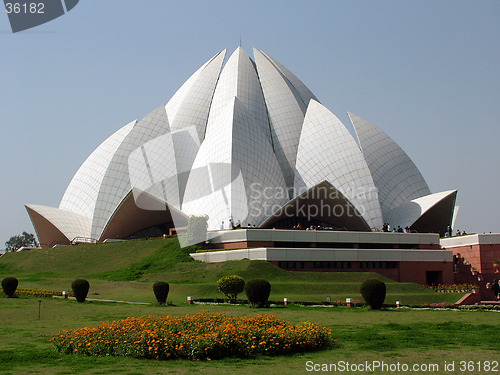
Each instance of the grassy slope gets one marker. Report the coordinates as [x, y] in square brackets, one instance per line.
[125, 270]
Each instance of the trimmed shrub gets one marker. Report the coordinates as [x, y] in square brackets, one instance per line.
[258, 291]
[161, 288]
[80, 289]
[231, 286]
[9, 286]
[373, 292]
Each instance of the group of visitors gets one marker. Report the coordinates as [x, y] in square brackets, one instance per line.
[449, 232]
[300, 226]
[232, 225]
[387, 228]
[318, 227]
[311, 227]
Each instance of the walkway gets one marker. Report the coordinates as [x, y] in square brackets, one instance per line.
[107, 300]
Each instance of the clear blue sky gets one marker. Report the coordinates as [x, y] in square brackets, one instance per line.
[425, 72]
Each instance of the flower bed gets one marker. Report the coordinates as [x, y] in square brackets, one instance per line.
[197, 336]
[38, 292]
[454, 288]
[439, 305]
[447, 305]
[480, 307]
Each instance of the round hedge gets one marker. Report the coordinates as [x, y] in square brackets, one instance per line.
[373, 292]
[9, 286]
[80, 289]
[160, 289]
[258, 291]
[231, 286]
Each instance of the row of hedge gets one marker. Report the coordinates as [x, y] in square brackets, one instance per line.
[373, 294]
[256, 290]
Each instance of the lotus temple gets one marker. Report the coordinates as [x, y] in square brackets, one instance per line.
[246, 144]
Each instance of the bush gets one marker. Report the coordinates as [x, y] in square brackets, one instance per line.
[80, 289]
[258, 291]
[9, 285]
[161, 288]
[231, 286]
[373, 292]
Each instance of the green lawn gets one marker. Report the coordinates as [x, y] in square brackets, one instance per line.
[126, 271]
[392, 336]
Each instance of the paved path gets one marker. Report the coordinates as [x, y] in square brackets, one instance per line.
[107, 300]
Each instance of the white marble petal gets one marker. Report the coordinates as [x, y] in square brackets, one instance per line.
[81, 194]
[338, 161]
[396, 177]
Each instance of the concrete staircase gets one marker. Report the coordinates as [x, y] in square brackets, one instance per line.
[464, 274]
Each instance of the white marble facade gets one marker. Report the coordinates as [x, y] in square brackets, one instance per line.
[239, 140]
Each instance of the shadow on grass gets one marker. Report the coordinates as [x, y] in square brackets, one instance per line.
[421, 336]
[10, 358]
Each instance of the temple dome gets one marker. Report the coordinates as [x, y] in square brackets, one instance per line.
[244, 141]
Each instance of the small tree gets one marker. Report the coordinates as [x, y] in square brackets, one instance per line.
[373, 292]
[160, 289]
[23, 240]
[197, 229]
[80, 289]
[258, 291]
[9, 286]
[231, 286]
